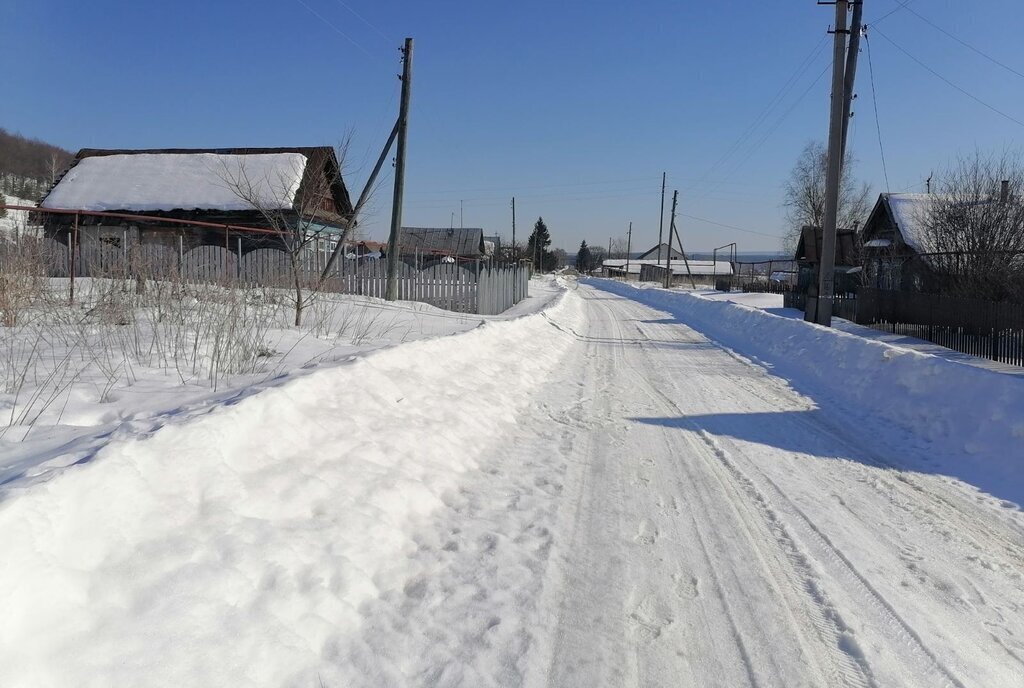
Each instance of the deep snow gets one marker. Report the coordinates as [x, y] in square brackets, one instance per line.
[597, 494]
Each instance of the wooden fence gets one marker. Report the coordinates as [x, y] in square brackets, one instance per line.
[979, 328]
[843, 305]
[470, 288]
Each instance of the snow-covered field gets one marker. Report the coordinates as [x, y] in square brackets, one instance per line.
[620, 487]
[14, 221]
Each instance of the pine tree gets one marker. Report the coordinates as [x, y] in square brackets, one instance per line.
[584, 259]
[536, 247]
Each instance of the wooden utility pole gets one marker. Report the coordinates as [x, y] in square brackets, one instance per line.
[668, 255]
[363, 198]
[682, 251]
[661, 217]
[396, 207]
[515, 251]
[827, 265]
[629, 248]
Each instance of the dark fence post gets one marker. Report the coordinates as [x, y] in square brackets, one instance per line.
[994, 310]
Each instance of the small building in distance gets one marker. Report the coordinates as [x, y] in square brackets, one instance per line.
[847, 259]
[659, 252]
[426, 246]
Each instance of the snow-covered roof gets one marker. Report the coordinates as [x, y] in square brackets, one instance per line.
[180, 181]
[909, 212]
[678, 267]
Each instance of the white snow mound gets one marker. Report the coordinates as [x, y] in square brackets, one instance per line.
[239, 548]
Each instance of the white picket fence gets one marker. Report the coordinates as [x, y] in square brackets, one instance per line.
[476, 288]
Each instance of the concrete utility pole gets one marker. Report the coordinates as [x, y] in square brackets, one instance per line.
[668, 255]
[661, 217]
[515, 251]
[629, 248]
[851, 66]
[827, 264]
[396, 207]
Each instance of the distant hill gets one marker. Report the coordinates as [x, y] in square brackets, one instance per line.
[28, 166]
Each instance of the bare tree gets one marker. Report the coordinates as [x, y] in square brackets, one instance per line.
[804, 193]
[619, 248]
[975, 223]
[299, 216]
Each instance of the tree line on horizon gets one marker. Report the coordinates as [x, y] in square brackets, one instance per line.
[28, 167]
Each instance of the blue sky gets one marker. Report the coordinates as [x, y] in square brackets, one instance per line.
[575, 107]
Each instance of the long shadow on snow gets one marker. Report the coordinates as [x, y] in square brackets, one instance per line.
[849, 425]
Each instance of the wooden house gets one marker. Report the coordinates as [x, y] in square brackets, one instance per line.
[893, 241]
[280, 189]
[847, 259]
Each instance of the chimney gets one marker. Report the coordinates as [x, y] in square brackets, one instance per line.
[1004, 191]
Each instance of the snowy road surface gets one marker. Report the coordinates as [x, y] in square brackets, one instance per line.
[597, 495]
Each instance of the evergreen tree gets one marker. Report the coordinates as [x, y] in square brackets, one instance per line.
[584, 259]
[537, 247]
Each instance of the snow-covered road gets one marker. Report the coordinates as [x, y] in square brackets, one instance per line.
[597, 495]
[719, 529]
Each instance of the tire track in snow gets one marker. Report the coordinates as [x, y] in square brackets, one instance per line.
[708, 508]
[826, 549]
[849, 667]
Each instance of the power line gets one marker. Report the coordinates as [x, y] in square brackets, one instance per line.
[720, 224]
[752, 127]
[336, 29]
[874, 100]
[360, 18]
[541, 186]
[950, 83]
[902, 6]
[772, 129]
[966, 44]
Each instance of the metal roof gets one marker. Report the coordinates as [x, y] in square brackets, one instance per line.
[457, 241]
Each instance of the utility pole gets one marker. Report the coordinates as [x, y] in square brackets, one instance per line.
[851, 66]
[363, 198]
[396, 207]
[460, 215]
[514, 249]
[629, 248]
[668, 255]
[682, 251]
[827, 264]
[661, 217]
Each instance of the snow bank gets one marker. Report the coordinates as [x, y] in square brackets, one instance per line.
[188, 181]
[973, 418]
[241, 547]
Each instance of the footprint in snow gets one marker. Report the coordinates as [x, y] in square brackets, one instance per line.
[647, 533]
